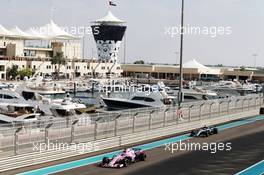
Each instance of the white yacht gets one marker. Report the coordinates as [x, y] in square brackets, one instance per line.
[139, 99]
[43, 88]
[232, 88]
[198, 94]
[46, 106]
[79, 87]
[18, 113]
[66, 107]
[9, 96]
[6, 86]
[194, 94]
[12, 98]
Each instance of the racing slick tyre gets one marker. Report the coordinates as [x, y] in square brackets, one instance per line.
[261, 111]
[192, 133]
[125, 162]
[206, 134]
[106, 160]
[128, 160]
[142, 157]
[215, 131]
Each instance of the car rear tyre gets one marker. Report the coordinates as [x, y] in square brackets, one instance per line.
[105, 160]
[128, 160]
[142, 157]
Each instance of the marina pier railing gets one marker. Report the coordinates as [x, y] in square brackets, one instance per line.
[92, 127]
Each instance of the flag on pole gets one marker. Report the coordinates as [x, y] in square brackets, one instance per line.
[111, 3]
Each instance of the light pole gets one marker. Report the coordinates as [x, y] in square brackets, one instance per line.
[52, 10]
[211, 104]
[16, 140]
[228, 106]
[83, 45]
[176, 53]
[125, 39]
[190, 112]
[255, 59]
[134, 121]
[47, 133]
[116, 123]
[72, 129]
[180, 96]
[92, 53]
[164, 119]
[219, 108]
[176, 63]
[150, 118]
[200, 111]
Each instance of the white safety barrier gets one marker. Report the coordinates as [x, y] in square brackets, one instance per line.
[18, 161]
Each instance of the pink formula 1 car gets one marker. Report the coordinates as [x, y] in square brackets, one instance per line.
[123, 159]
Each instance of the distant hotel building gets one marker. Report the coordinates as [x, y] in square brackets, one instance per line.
[35, 48]
[192, 70]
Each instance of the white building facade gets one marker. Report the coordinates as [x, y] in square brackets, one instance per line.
[34, 49]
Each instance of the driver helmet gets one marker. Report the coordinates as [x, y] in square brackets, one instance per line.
[126, 150]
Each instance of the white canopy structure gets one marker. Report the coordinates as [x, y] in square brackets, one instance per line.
[201, 68]
[36, 34]
[21, 34]
[109, 18]
[5, 33]
[50, 31]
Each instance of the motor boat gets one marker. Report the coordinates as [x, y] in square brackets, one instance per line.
[196, 93]
[193, 93]
[232, 88]
[79, 87]
[43, 88]
[66, 107]
[18, 113]
[9, 96]
[13, 98]
[51, 107]
[140, 99]
[6, 86]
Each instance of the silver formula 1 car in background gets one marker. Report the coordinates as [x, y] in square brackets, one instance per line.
[204, 131]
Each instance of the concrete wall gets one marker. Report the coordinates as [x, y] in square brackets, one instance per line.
[13, 47]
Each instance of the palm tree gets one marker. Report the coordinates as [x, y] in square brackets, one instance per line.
[12, 72]
[59, 60]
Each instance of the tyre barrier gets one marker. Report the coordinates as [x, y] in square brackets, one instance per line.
[261, 110]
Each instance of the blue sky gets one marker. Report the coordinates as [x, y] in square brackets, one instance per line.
[146, 21]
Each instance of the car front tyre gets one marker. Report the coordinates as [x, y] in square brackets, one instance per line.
[105, 160]
[125, 162]
[215, 131]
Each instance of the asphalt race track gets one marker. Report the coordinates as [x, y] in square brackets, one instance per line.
[242, 156]
[247, 149]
